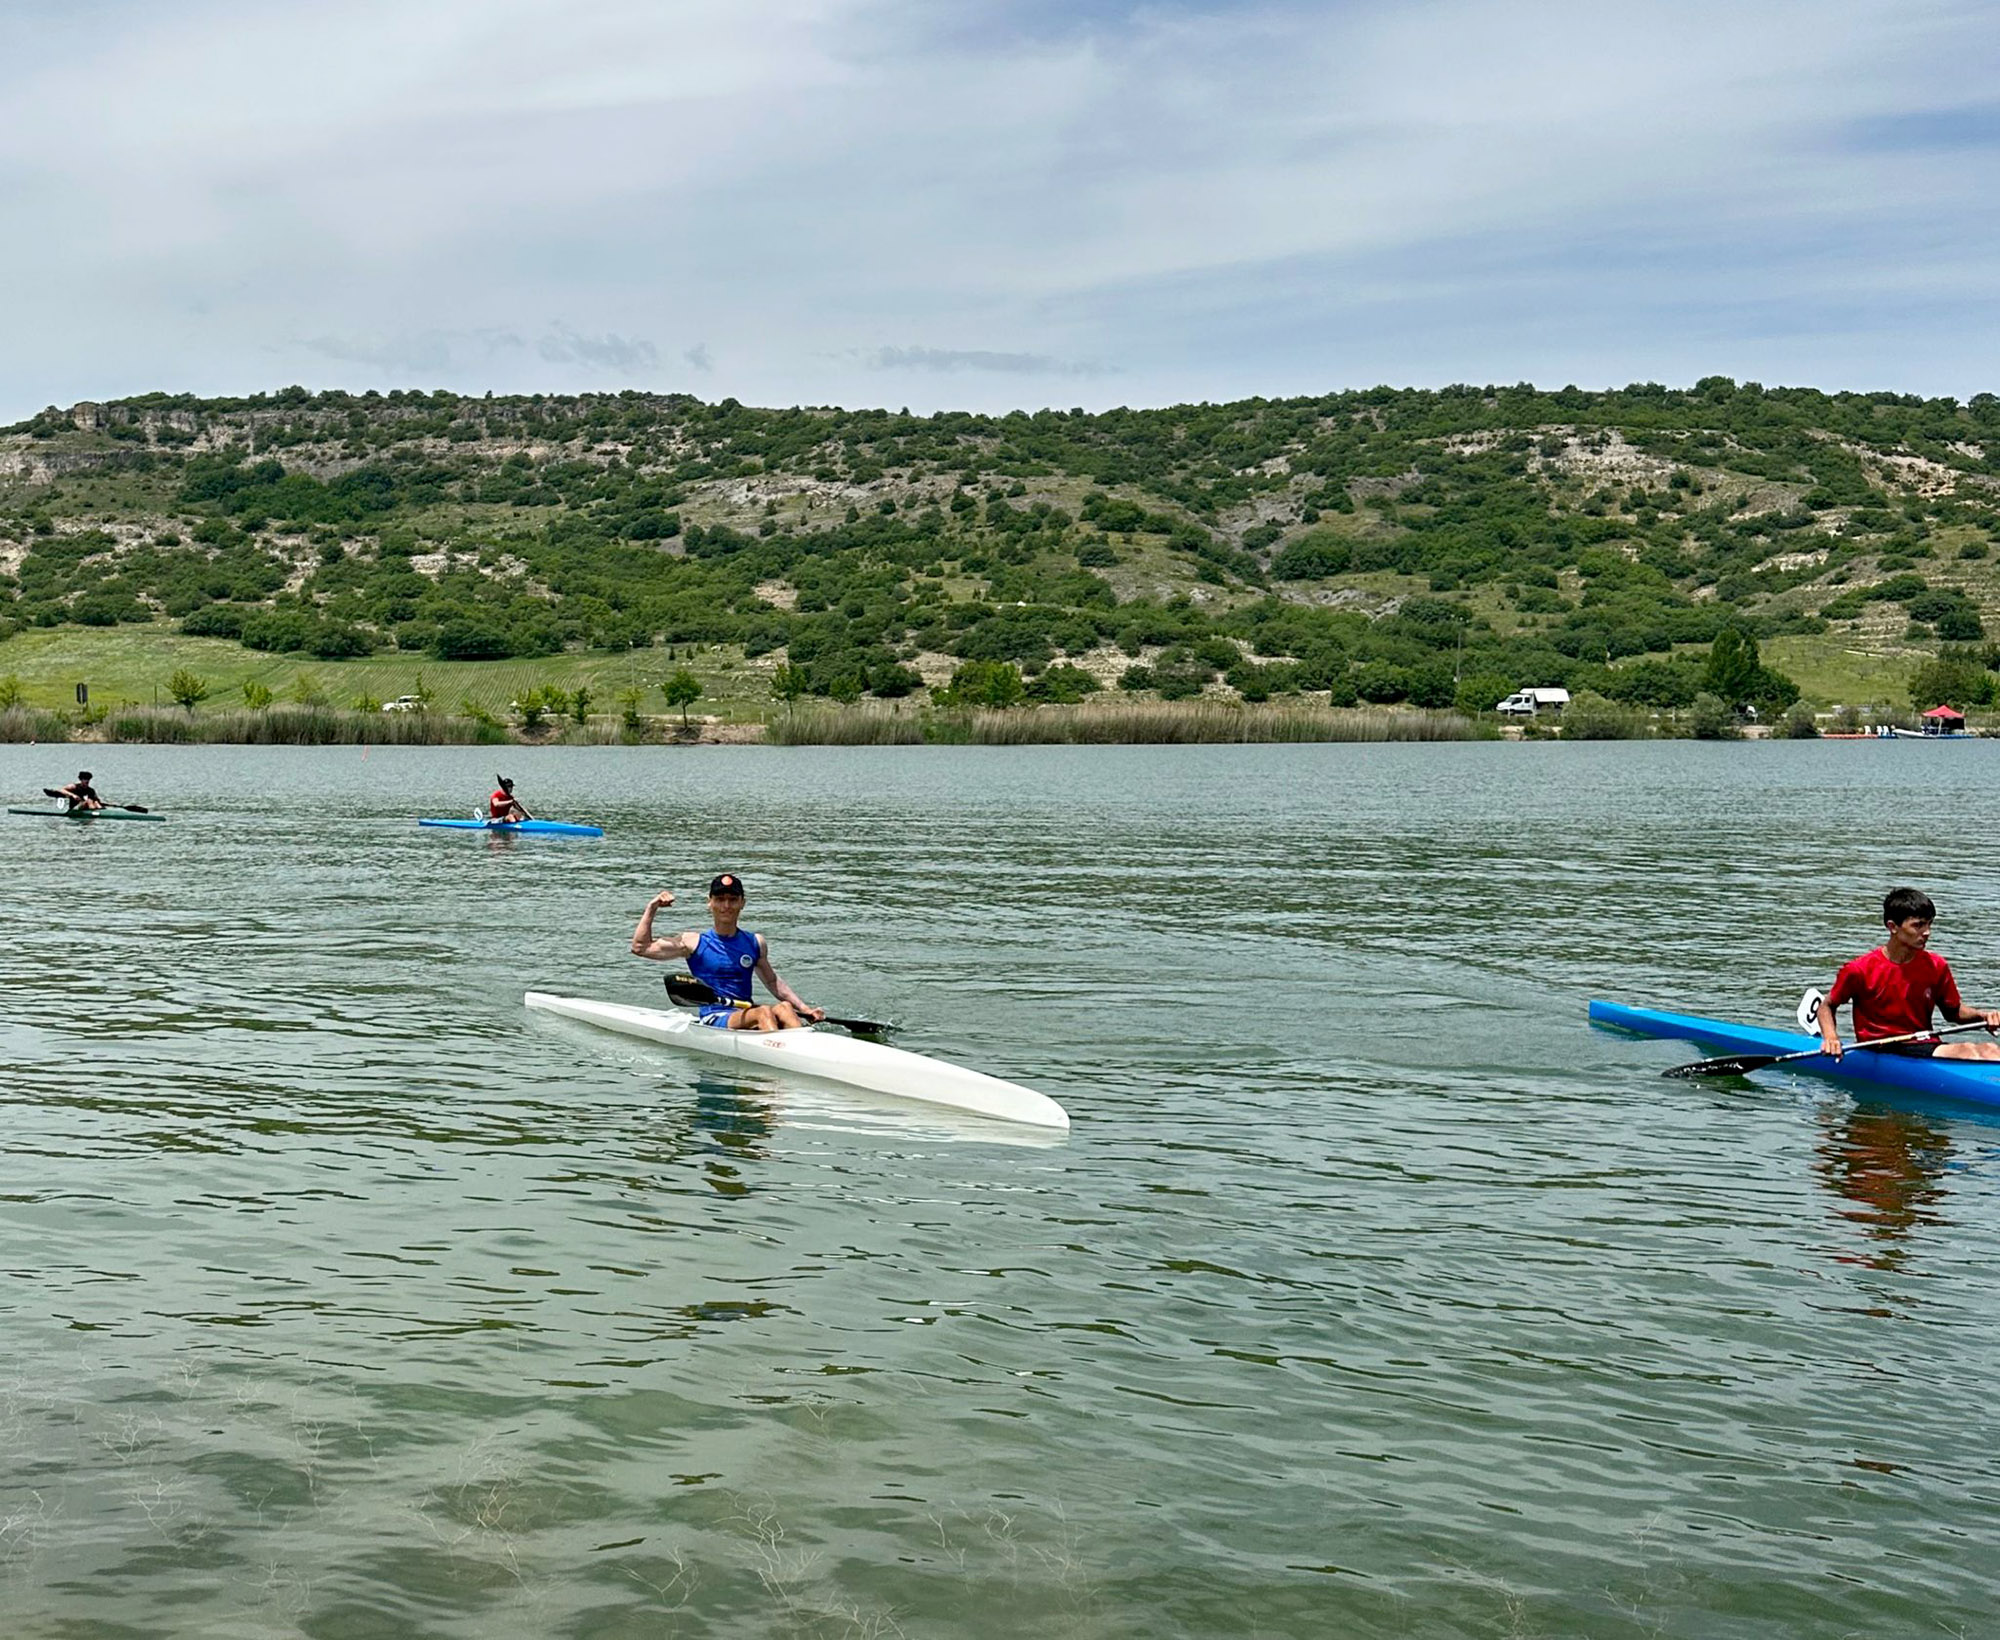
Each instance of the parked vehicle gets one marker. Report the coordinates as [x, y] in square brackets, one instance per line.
[404, 703]
[1529, 702]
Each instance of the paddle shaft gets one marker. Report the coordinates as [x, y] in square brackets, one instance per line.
[687, 989]
[129, 808]
[1736, 1063]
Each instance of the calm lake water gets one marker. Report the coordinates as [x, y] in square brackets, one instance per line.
[1373, 1292]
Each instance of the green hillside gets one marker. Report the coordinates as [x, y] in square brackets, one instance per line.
[1387, 545]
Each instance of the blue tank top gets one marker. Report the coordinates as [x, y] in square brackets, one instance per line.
[725, 965]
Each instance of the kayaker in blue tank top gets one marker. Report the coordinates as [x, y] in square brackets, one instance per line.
[724, 958]
[724, 963]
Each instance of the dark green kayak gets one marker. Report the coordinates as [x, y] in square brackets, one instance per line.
[87, 814]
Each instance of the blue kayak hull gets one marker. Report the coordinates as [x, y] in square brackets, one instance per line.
[541, 828]
[1944, 1078]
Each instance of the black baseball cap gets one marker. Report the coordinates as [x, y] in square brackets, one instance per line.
[727, 883]
[83, 774]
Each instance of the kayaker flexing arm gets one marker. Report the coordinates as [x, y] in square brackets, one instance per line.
[1895, 987]
[81, 794]
[723, 958]
[503, 806]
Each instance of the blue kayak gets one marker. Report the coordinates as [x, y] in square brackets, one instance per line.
[1946, 1078]
[541, 828]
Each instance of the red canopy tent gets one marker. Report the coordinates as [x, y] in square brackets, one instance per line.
[1941, 720]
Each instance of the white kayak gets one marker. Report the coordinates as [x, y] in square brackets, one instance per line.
[826, 1055]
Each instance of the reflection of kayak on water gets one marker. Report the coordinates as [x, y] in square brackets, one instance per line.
[1971, 1079]
[870, 1066]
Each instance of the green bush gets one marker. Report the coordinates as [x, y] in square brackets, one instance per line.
[1315, 555]
[1955, 678]
[984, 683]
[1063, 684]
[1591, 716]
[1712, 718]
[1483, 691]
[187, 688]
[1898, 589]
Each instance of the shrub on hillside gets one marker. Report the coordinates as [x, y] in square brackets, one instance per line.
[1800, 723]
[1711, 718]
[1591, 716]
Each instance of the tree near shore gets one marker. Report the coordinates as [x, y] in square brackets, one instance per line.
[683, 689]
[188, 689]
[1736, 675]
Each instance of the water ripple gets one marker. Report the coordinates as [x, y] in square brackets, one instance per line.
[1371, 1294]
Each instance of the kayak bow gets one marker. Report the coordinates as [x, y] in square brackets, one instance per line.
[1970, 1079]
[544, 828]
[870, 1066]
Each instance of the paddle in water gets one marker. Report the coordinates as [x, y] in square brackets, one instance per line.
[1737, 1064]
[691, 993]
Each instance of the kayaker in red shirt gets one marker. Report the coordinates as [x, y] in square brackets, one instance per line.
[1895, 988]
[502, 807]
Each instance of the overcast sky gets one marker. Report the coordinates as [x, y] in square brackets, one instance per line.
[994, 203]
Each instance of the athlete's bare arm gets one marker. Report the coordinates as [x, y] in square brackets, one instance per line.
[777, 987]
[665, 948]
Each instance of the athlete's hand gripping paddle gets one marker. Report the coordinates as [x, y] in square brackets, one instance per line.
[690, 992]
[1810, 1006]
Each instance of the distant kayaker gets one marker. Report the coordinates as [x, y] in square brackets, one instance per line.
[1895, 987]
[81, 794]
[723, 958]
[502, 805]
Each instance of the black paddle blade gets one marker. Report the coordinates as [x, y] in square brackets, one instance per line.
[1736, 1065]
[861, 1027]
[689, 991]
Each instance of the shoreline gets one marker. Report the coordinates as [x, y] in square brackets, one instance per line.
[1109, 722]
[1118, 722]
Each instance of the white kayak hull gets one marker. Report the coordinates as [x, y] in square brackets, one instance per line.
[825, 1055]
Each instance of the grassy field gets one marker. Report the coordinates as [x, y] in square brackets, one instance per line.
[1831, 671]
[130, 665]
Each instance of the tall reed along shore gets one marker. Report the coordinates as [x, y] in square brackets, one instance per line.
[1106, 723]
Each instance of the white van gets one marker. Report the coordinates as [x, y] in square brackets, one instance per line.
[1527, 702]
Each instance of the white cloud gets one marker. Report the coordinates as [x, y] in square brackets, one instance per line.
[953, 361]
[455, 350]
[1206, 201]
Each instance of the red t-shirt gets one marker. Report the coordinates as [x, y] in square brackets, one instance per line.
[1892, 998]
[500, 803]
